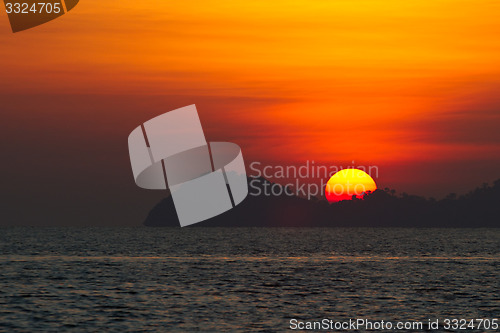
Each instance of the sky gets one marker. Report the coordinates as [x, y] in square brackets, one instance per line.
[408, 86]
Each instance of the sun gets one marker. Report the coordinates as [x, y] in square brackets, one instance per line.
[348, 182]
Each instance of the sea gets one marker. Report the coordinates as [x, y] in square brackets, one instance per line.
[141, 279]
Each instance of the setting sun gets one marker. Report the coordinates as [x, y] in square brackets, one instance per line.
[348, 182]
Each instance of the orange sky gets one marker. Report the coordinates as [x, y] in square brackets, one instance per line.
[411, 86]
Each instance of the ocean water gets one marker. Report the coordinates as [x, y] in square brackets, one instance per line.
[242, 279]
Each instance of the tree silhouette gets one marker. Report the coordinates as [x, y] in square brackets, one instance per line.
[477, 208]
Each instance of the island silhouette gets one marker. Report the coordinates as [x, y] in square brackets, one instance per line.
[380, 208]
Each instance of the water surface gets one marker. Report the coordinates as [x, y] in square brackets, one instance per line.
[242, 279]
